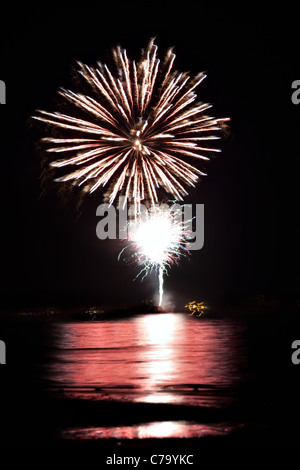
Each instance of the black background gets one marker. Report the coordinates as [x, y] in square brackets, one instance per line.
[51, 253]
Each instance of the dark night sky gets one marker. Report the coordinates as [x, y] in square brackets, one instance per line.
[50, 255]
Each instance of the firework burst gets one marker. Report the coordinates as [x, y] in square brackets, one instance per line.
[158, 239]
[141, 129]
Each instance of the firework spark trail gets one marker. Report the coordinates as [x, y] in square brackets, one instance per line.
[142, 123]
[158, 239]
[161, 284]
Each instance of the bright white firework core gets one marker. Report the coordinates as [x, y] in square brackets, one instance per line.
[156, 237]
[159, 238]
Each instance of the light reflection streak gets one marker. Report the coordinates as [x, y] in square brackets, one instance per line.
[161, 429]
[159, 333]
[152, 358]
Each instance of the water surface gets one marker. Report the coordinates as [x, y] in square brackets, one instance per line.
[168, 358]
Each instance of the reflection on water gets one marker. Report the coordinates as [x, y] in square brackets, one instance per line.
[163, 429]
[153, 358]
